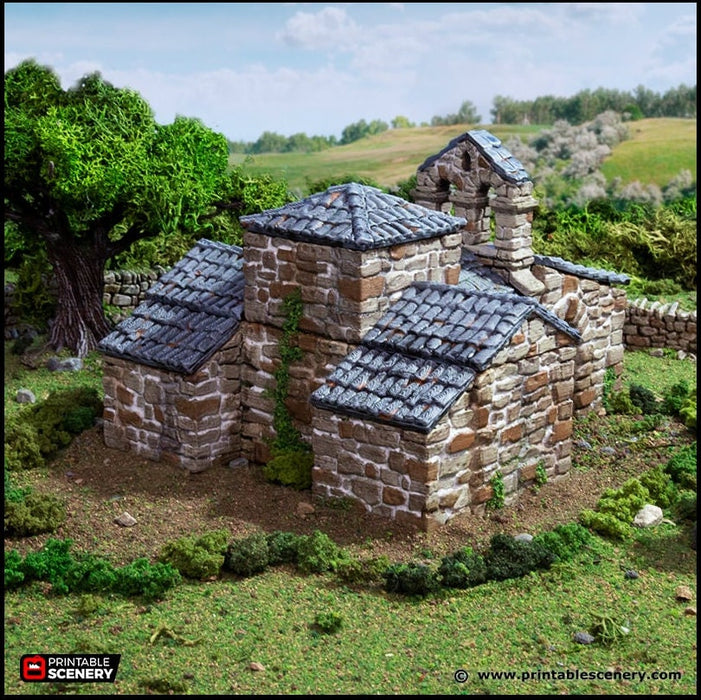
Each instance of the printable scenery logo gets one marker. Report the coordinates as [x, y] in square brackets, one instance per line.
[80, 668]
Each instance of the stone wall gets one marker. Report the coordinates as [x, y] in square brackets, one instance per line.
[654, 325]
[190, 421]
[598, 312]
[518, 414]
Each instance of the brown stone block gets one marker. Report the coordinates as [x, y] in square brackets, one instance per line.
[584, 398]
[361, 289]
[461, 442]
[569, 285]
[482, 417]
[512, 434]
[562, 430]
[345, 429]
[482, 495]
[535, 382]
[452, 275]
[197, 408]
[393, 496]
[527, 473]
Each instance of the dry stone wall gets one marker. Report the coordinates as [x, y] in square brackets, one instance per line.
[654, 325]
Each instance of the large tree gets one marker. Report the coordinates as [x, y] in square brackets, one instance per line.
[88, 172]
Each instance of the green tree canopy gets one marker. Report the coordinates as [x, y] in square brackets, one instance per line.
[89, 172]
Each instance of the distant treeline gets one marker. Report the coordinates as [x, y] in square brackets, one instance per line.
[642, 103]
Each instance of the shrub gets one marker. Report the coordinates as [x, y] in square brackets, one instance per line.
[674, 398]
[644, 399]
[34, 514]
[411, 579]
[623, 503]
[247, 556]
[688, 412]
[328, 622]
[685, 506]
[462, 569]
[52, 563]
[197, 557]
[620, 403]
[511, 558]
[282, 547]
[362, 572]
[660, 486]
[290, 467]
[91, 574]
[564, 541]
[681, 466]
[317, 553]
[606, 524]
[141, 578]
[14, 569]
[22, 447]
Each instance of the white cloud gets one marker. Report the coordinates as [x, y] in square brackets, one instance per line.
[329, 28]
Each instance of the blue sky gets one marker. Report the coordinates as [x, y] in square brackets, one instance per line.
[245, 68]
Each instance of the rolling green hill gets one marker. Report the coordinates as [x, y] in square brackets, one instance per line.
[657, 151]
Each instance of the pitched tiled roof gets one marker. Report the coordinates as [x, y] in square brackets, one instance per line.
[501, 159]
[435, 329]
[353, 216]
[187, 315]
[592, 273]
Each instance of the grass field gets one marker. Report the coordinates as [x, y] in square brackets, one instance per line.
[387, 158]
[657, 151]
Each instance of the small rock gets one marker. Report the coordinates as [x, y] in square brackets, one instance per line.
[690, 611]
[255, 666]
[648, 516]
[631, 573]
[523, 537]
[584, 638]
[304, 509]
[608, 451]
[125, 520]
[684, 593]
[71, 364]
[25, 396]
[584, 444]
[238, 463]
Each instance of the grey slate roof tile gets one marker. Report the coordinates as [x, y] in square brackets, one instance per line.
[500, 158]
[593, 273]
[353, 216]
[426, 350]
[187, 315]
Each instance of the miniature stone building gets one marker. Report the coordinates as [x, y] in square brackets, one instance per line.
[433, 357]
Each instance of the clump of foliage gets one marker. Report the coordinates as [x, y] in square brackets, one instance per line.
[508, 557]
[675, 397]
[248, 555]
[681, 466]
[39, 431]
[541, 476]
[462, 569]
[498, 493]
[283, 547]
[644, 399]
[564, 541]
[86, 573]
[290, 467]
[660, 486]
[328, 622]
[317, 553]
[609, 630]
[411, 578]
[292, 459]
[197, 557]
[34, 514]
[362, 572]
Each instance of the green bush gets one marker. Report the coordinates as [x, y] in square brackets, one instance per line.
[282, 547]
[606, 524]
[197, 557]
[508, 557]
[22, 447]
[141, 578]
[624, 502]
[462, 569]
[363, 572]
[620, 403]
[681, 466]
[674, 398]
[248, 555]
[328, 622]
[688, 412]
[411, 579]
[290, 467]
[564, 541]
[14, 569]
[51, 563]
[91, 574]
[34, 514]
[317, 553]
[644, 399]
[685, 506]
[659, 484]
[79, 419]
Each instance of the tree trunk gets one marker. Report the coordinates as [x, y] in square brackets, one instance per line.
[80, 321]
